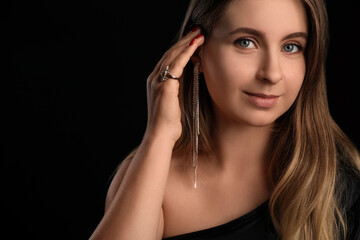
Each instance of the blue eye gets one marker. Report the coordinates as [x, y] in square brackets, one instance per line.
[292, 48]
[245, 43]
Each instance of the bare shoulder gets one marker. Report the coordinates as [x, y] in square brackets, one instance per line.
[115, 183]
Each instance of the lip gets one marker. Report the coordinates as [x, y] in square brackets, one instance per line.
[262, 100]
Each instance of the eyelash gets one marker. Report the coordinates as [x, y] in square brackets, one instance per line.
[300, 48]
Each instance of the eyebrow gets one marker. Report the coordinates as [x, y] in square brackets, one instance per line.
[261, 34]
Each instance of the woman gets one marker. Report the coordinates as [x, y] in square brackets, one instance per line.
[239, 142]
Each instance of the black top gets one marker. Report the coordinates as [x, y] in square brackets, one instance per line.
[257, 225]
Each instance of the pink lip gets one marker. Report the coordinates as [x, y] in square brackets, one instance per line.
[262, 100]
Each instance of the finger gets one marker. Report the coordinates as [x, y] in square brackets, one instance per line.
[177, 48]
[178, 62]
[188, 37]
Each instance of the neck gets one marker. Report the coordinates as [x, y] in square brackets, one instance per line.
[240, 146]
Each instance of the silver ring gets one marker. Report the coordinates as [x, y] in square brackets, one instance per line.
[165, 75]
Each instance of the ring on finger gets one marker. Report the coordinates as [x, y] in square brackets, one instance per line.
[165, 75]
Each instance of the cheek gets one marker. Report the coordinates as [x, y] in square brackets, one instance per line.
[225, 70]
[294, 73]
[215, 68]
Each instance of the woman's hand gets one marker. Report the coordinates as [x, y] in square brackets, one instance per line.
[164, 115]
[137, 191]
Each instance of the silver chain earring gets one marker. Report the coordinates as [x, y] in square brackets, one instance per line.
[196, 129]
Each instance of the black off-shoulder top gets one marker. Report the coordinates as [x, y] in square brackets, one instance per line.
[257, 224]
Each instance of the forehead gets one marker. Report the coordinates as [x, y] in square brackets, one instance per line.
[269, 16]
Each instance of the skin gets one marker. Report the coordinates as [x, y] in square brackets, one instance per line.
[154, 193]
[262, 67]
[230, 69]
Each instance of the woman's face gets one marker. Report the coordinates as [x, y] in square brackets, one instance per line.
[253, 62]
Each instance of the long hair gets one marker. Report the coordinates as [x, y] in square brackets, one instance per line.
[307, 145]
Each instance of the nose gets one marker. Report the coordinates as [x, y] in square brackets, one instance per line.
[270, 68]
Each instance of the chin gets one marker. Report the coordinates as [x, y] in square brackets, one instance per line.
[262, 119]
[260, 123]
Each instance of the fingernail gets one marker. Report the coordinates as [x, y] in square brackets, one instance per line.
[194, 39]
[195, 29]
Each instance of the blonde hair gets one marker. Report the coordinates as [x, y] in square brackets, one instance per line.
[307, 145]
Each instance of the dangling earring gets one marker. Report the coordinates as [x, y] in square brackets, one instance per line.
[196, 129]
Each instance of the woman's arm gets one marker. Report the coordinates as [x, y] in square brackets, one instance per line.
[134, 204]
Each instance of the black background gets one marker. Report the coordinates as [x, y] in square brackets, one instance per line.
[74, 101]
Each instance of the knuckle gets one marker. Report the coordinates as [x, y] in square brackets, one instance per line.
[166, 54]
[175, 64]
[152, 85]
[173, 47]
[150, 81]
[187, 37]
[172, 55]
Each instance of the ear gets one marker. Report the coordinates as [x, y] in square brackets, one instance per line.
[197, 57]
